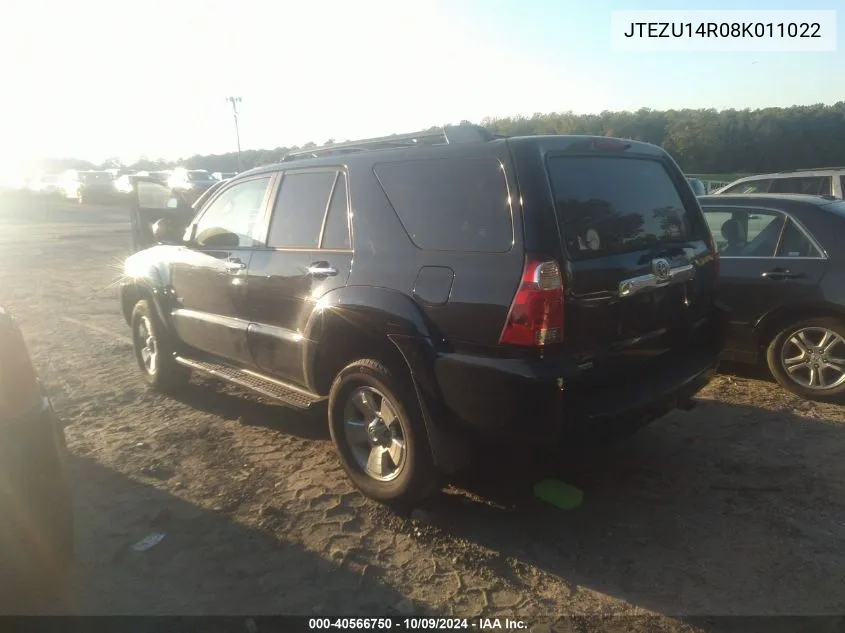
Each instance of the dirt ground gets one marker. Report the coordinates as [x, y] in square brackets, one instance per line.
[733, 508]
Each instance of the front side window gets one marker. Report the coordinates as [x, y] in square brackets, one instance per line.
[228, 222]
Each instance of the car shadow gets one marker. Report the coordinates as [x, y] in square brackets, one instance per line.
[723, 510]
[229, 401]
[755, 371]
[206, 564]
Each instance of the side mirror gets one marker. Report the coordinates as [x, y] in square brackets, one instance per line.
[168, 231]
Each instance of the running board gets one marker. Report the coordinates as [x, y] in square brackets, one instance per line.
[290, 395]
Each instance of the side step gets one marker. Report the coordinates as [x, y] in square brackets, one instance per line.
[290, 395]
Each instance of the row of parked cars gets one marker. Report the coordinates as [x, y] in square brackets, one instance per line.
[104, 186]
[526, 290]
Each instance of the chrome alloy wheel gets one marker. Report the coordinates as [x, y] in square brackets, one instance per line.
[375, 433]
[814, 357]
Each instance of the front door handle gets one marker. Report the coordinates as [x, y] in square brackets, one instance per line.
[321, 269]
[780, 273]
[234, 264]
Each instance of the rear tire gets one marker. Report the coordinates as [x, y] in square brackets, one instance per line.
[808, 358]
[154, 350]
[377, 428]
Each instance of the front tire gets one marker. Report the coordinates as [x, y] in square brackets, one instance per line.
[808, 358]
[154, 350]
[377, 428]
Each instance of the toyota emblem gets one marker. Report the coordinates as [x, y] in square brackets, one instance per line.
[661, 269]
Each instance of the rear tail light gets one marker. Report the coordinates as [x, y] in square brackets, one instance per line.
[19, 390]
[536, 315]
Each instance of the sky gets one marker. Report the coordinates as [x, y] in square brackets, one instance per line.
[93, 79]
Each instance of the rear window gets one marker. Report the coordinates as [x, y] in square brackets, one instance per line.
[608, 205]
[451, 204]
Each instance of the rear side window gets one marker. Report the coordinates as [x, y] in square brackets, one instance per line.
[794, 243]
[451, 204]
[609, 205]
[336, 231]
[811, 185]
[300, 209]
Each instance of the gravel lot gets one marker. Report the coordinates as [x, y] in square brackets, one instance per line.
[736, 507]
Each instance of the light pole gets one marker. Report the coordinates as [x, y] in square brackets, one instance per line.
[235, 101]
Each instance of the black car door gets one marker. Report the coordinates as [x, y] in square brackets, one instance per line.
[767, 260]
[209, 275]
[308, 253]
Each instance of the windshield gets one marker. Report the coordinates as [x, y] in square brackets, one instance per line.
[609, 204]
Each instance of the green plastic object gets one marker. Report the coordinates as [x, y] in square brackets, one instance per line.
[559, 494]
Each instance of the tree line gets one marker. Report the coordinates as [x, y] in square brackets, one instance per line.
[704, 141]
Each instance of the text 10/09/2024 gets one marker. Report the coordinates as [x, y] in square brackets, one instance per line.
[417, 624]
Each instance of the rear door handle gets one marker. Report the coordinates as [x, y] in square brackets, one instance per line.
[779, 273]
[321, 269]
[234, 264]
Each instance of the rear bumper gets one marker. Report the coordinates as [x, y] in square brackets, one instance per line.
[539, 401]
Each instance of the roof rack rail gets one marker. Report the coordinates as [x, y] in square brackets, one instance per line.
[792, 171]
[447, 134]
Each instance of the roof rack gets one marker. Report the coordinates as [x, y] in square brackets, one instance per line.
[448, 134]
[792, 171]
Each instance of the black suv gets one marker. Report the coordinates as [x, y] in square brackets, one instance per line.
[437, 288]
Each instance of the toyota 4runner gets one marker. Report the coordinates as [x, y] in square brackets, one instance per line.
[437, 288]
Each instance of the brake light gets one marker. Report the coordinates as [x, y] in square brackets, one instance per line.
[536, 314]
[609, 145]
[19, 390]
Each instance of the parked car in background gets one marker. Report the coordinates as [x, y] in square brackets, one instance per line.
[161, 175]
[123, 185]
[698, 187]
[207, 194]
[45, 185]
[782, 277]
[465, 315]
[189, 184]
[87, 186]
[816, 182]
[36, 512]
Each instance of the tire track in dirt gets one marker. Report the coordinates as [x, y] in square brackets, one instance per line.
[292, 486]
